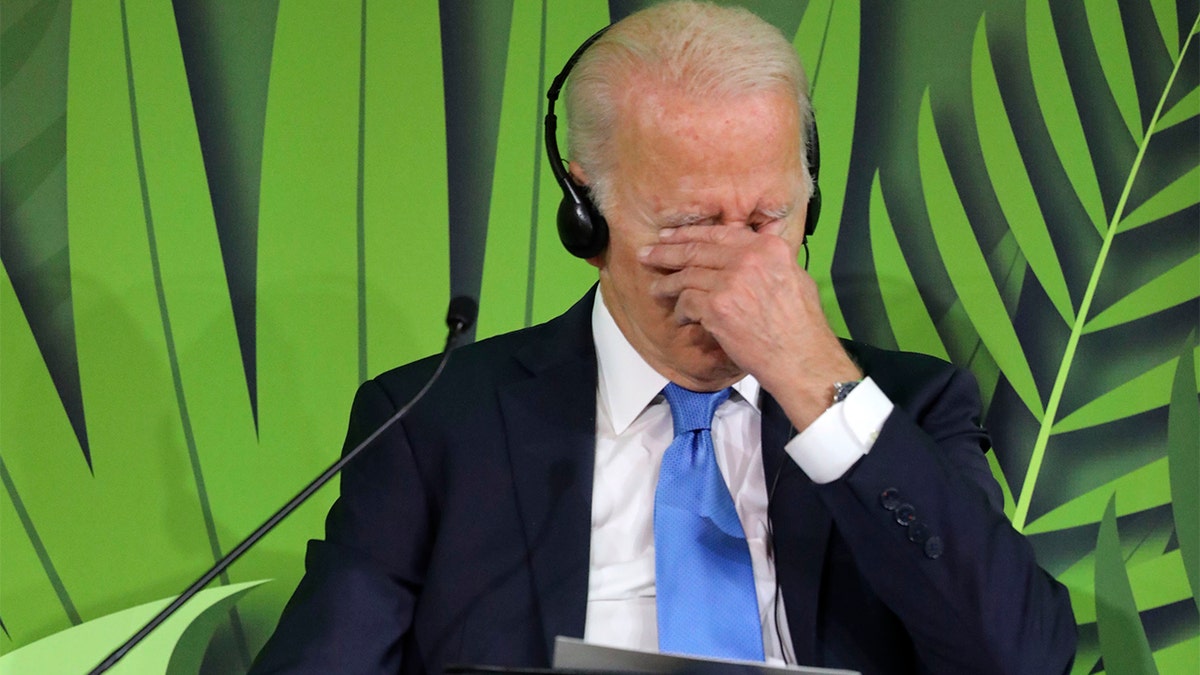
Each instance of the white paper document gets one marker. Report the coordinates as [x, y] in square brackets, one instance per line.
[575, 654]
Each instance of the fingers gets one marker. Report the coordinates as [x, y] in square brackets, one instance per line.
[696, 246]
[677, 256]
[688, 278]
[714, 247]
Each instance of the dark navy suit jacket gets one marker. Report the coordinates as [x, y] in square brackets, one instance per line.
[463, 534]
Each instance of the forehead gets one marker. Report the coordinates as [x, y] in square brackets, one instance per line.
[689, 156]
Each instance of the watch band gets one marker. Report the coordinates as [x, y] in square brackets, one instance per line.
[842, 389]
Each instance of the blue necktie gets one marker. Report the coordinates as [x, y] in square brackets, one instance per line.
[707, 604]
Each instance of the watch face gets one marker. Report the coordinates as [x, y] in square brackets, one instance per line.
[842, 389]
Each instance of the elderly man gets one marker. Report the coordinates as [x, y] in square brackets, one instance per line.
[688, 459]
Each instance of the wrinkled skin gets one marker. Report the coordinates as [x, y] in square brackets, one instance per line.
[706, 222]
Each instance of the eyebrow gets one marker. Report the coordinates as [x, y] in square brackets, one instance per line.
[778, 213]
[685, 219]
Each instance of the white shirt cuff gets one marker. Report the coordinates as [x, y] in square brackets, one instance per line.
[842, 434]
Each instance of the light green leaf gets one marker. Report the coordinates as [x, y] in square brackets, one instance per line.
[1183, 452]
[1156, 580]
[1173, 287]
[310, 278]
[207, 373]
[906, 313]
[527, 276]
[966, 265]
[514, 214]
[1108, 35]
[1122, 638]
[140, 452]
[405, 279]
[980, 362]
[1140, 489]
[559, 277]
[1010, 179]
[1177, 196]
[1166, 14]
[1059, 110]
[998, 473]
[175, 647]
[1184, 109]
[309, 184]
[1179, 657]
[828, 42]
[35, 601]
[1147, 391]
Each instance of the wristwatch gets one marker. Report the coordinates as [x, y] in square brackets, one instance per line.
[842, 389]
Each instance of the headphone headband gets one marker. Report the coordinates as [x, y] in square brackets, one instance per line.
[581, 227]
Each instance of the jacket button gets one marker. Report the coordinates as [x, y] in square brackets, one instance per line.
[889, 499]
[918, 532]
[934, 547]
[905, 514]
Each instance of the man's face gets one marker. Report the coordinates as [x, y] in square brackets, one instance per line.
[696, 164]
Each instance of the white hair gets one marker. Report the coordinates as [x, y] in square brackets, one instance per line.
[698, 49]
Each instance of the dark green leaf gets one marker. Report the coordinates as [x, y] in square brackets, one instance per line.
[1122, 639]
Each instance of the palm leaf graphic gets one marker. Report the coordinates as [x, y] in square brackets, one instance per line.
[522, 241]
[1055, 333]
[146, 399]
[175, 439]
[176, 649]
[828, 40]
[1122, 640]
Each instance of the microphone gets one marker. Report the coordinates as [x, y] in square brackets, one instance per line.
[459, 318]
[461, 314]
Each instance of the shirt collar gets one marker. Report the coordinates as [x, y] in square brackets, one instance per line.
[627, 384]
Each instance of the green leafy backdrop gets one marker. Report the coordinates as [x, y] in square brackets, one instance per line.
[220, 216]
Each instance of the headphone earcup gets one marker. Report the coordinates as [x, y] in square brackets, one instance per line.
[814, 211]
[581, 228]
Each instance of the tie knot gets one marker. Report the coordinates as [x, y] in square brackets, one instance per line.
[693, 410]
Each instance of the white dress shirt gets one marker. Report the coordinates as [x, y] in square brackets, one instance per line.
[633, 430]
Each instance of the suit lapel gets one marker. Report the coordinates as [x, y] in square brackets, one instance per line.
[800, 526]
[550, 424]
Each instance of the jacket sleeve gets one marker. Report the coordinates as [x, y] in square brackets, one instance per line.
[923, 518]
[355, 604]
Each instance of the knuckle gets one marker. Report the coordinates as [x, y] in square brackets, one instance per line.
[723, 304]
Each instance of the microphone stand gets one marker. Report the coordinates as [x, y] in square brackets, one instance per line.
[459, 318]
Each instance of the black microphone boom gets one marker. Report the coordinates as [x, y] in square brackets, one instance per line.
[459, 318]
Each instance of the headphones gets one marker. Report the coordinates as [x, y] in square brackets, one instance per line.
[581, 228]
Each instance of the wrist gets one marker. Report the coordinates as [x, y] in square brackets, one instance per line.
[805, 396]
